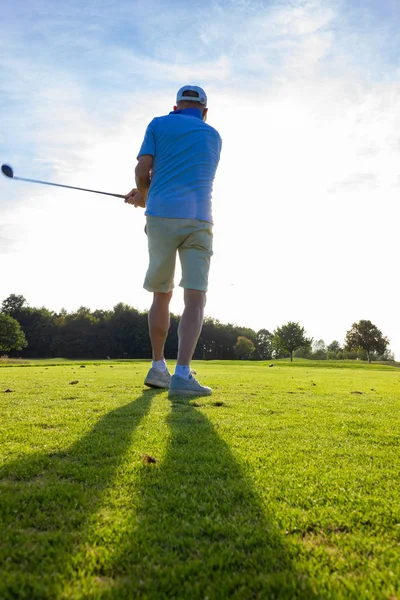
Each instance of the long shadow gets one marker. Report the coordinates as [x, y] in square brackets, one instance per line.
[200, 531]
[47, 500]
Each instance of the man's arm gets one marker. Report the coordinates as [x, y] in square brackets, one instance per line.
[138, 196]
[142, 174]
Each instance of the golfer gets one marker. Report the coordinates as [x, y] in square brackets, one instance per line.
[174, 175]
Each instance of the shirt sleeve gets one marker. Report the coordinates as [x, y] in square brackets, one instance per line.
[149, 143]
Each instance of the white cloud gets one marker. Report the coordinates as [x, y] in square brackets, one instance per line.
[297, 19]
[6, 243]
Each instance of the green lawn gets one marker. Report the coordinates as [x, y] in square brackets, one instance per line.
[283, 484]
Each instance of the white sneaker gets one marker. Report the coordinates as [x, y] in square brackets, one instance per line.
[158, 379]
[187, 387]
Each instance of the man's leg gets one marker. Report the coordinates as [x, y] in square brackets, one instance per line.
[159, 376]
[182, 382]
[190, 325]
[195, 253]
[159, 323]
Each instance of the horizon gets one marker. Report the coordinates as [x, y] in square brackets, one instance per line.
[314, 341]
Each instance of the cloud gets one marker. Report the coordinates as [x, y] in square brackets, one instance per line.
[297, 19]
[6, 243]
[357, 181]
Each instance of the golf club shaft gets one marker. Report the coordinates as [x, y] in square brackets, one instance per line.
[68, 186]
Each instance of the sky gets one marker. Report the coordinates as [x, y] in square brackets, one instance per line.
[306, 97]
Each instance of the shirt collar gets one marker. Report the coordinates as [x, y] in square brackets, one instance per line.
[189, 112]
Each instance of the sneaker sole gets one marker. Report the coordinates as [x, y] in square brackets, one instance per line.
[187, 393]
[151, 383]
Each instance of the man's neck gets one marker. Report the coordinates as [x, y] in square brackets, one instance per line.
[190, 112]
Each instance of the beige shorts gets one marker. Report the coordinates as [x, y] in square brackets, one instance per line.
[190, 238]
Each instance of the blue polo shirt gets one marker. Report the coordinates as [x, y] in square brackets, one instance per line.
[186, 153]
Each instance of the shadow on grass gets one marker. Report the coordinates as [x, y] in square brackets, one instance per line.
[47, 500]
[200, 531]
[193, 526]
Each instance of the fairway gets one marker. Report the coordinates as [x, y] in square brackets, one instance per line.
[283, 484]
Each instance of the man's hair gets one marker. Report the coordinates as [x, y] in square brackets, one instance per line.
[187, 96]
[190, 94]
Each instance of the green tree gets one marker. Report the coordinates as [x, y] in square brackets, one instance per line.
[319, 350]
[334, 346]
[38, 325]
[334, 351]
[13, 305]
[11, 335]
[388, 356]
[244, 347]
[288, 338]
[263, 345]
[302, 352]
[217, 341]
[368, 337]
[78, 335]
[129, 333]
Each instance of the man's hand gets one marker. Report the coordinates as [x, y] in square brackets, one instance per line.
[134, 197]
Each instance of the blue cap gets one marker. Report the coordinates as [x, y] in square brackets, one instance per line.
[201, 95]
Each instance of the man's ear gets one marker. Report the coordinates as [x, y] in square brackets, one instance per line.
[205, 111]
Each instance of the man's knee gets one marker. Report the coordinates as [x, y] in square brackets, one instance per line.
[195, 298]
[162, 297]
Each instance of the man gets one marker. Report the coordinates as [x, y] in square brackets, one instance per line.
[176, 167]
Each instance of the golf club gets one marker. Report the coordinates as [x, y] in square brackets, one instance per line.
[9, 173]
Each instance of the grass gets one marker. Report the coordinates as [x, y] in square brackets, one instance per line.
[283, 484]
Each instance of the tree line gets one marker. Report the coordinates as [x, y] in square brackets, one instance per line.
[118, 333]
[122, 332]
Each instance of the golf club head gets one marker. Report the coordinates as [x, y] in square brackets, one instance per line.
[7, 171]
